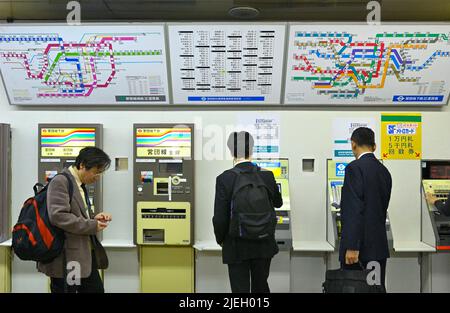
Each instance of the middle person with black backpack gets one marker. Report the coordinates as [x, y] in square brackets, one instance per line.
[244, 218]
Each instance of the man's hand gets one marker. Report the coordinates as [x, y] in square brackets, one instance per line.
[431, 198]
[101, 225]
[103, 217]
[351, 257]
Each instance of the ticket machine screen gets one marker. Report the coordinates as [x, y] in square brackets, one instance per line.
[65, 142]
[439, 172]
[163, 142]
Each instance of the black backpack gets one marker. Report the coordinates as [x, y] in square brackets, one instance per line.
[34, 237]
[252, 212]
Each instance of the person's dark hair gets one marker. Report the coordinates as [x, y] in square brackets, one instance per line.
[240, 144]
[93, 157]
[363, 136]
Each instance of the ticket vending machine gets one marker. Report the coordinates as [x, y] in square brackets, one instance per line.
[280, 268]
[5, 207]
[335, 183]
[435, 226]
[59, 146]
[164, 206]
[280, 169]
[436, 180]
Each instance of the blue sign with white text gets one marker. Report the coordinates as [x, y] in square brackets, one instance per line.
[237, 99]
[417, 98]
[340, 169]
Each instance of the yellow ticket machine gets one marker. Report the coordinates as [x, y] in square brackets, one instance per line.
[164, 206]
[280, 169]
[5, 207]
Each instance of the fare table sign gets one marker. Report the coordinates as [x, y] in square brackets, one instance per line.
[401, 136]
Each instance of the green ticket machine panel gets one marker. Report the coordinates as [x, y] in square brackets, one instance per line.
[163, 184]
[280, 169]
[59, 146]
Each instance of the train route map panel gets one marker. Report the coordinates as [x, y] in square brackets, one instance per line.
[368, 65]
[84, 65]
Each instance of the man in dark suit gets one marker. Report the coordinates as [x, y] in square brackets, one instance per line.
[79, 225]
[248, 260]
[441, 205]
[365, 200]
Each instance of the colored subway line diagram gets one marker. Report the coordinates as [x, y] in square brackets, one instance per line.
[173, 137]
[338, 66]
[72, 69]
[76, 137]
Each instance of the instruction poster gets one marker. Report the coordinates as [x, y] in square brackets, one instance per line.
[226, 64]
[342, 132]
[265, 129]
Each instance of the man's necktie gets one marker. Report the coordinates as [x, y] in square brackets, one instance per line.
[90, 214]
[88, 201]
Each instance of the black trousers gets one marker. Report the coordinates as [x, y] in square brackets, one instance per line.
[250, 276]
[364, 264]
[91, 284]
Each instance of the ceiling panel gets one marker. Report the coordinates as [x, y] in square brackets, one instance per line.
[207, 10]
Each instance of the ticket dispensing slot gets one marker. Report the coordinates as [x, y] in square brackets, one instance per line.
[154, 236]
[161, 187]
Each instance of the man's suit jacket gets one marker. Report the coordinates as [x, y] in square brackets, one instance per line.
[443, 206]
[235, 250]
[79, 229]
[365, 200]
